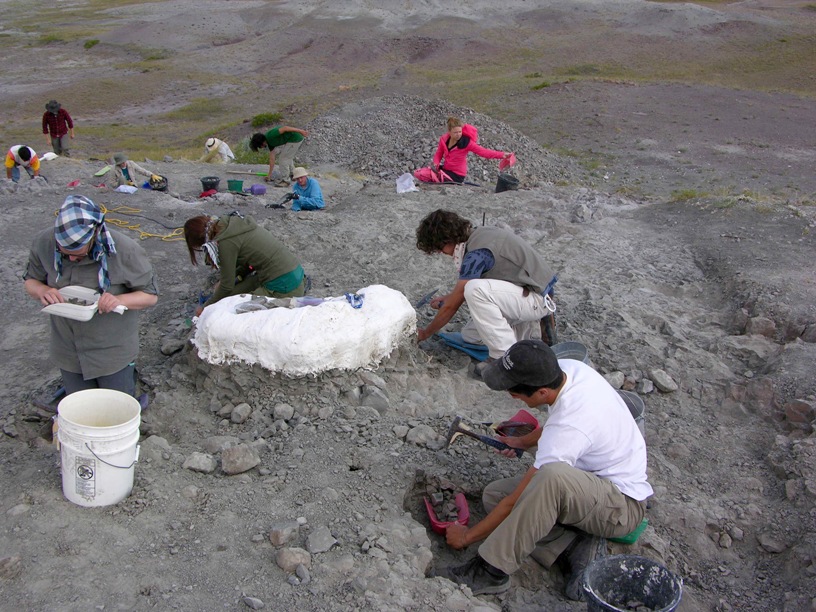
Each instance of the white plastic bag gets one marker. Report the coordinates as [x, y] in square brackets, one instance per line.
[405, 183]
[126, 189]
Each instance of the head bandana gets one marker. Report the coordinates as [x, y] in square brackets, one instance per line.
[78, 221]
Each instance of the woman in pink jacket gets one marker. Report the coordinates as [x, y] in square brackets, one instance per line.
[454, 146]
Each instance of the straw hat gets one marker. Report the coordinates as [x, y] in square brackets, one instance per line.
[119, 158]
[298, 172]
[210, 144]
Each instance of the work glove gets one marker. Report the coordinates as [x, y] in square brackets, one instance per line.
[289, 196]
[294, 196]
[155, 178]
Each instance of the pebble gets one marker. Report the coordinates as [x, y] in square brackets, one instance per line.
[303, 573]
[254, 603]
[644, 386]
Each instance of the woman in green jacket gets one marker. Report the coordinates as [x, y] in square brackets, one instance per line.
[249, 258]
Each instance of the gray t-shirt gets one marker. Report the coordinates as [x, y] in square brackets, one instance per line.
[108, 342]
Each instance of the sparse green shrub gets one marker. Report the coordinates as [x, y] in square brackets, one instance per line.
[533, 75]
[265, 119]
[46, 39]
[684, 195]
[245, 155]
[91, 43]
[541, 85]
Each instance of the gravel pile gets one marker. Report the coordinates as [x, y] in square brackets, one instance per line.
[388, 136]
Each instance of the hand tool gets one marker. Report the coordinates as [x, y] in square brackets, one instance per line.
[457, 428]
[425, 299]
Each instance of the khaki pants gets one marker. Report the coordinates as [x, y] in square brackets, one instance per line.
[558, 503]
[285, 160]
[502, 314]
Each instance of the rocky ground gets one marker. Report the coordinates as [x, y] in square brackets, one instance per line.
[319, 506]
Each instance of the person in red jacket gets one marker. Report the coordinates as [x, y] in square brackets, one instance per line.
[454, 146]
[57, 125]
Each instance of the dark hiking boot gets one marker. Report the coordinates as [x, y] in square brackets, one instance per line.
[549, 333]
[583, 551]
[477, 574]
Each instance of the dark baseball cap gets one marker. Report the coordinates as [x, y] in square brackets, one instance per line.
[529, 362]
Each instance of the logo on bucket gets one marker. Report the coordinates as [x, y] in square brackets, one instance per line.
[85, 481]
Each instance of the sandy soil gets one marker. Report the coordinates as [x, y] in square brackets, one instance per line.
[684, 241]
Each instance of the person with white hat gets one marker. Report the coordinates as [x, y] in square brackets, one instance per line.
[216, 151]
[125, 171]
[306, 193]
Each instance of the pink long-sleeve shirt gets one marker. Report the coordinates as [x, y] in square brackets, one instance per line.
[456, 158]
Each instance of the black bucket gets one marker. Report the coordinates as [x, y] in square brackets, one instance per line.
[623, 582]
[209, 182]
[636, 406]
[506, 182]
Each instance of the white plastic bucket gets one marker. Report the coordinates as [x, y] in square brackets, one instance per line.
[98, 431]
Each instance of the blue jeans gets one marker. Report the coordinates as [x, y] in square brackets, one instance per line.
[15, 173]
[124, 380]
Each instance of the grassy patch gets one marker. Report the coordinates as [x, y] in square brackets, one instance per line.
[265, 119]
[245, 155]
[541, 85]
[91, 43]
[198, 109]
[47, 39]
[684, 195]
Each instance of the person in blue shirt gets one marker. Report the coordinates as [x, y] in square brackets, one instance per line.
[306, 193]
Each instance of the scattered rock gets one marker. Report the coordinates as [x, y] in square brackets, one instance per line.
[200, 462]
[288, 559]
[241, 413]
[283, 411]
[771, 543]
[615, 379]
[216, 444]
[662, 381]
[281, 533]
[761, 326]
[425, 435]
[320, 540]
[239, 459]
[254, 603]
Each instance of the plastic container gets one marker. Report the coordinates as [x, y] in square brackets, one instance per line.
[98, 433]
[235, 185]
[441, 526]
[571, 350]
[616, 583]
[210, 182]
[257, 189]
[506, 182]
[636, 407]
